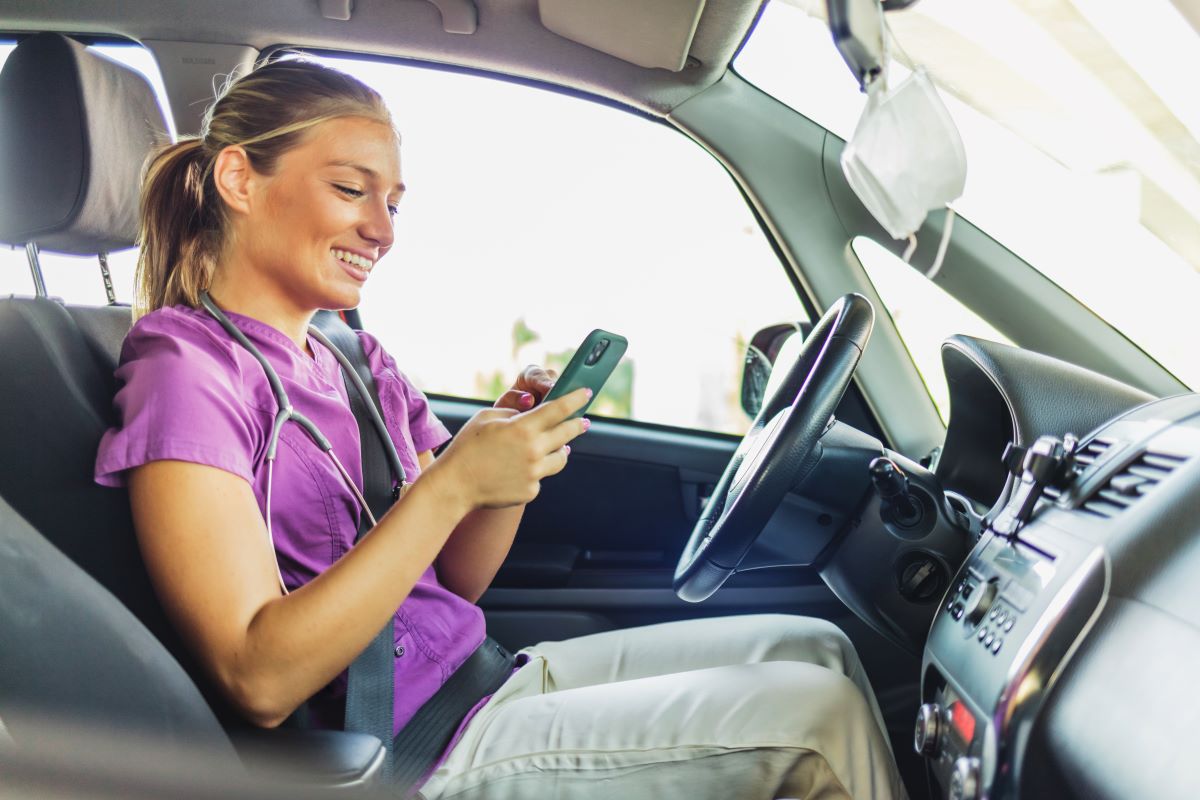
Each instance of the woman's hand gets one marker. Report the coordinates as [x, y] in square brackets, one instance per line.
[500, 456]
[529, 389]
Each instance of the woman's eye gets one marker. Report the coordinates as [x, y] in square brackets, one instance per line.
[348, 191]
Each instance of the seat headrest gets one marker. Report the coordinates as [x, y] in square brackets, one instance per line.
[75, 129]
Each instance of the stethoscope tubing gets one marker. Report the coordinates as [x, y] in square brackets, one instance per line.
[286, 412]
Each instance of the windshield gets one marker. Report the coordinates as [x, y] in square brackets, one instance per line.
[1082, 129]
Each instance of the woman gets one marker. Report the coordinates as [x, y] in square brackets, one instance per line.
[282, 207]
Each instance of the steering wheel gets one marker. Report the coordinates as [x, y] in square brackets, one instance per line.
[768, 461]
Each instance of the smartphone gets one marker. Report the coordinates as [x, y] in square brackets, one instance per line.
[591, 365]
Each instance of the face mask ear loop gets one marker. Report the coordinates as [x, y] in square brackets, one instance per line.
[947, 226]
[912, 248]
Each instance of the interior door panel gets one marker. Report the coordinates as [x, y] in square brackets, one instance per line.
[597, 549]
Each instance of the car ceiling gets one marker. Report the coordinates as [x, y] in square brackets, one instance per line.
[510, 37]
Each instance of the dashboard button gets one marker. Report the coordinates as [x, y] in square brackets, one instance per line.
[993, 613]
[964, 782]
[982, 633]
[987, 640]
[1008, 624]
[996, 645]
[956, 611]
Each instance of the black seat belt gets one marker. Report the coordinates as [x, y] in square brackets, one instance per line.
[370, 684]
[369, 692]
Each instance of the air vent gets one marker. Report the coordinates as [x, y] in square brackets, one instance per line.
[1139, 477]
[1088, 455]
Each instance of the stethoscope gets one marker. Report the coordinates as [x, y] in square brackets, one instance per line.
[286, 412]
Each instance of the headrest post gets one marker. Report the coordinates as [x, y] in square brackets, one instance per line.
[104, 273]
[35, 267]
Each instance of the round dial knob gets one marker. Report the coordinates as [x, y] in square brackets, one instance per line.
[927, 737]
[979, 603]
[964, 783]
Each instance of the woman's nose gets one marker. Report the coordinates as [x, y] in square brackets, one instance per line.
[377, 226]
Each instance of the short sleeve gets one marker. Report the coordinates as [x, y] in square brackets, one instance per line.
[179, 399]
[396, 391]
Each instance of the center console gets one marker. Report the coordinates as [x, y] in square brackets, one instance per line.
[1016, 610]
[1032, 588]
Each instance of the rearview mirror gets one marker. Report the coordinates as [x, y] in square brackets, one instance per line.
[858, 30]
[765, 350]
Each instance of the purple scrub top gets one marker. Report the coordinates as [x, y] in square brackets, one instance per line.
[188, 392]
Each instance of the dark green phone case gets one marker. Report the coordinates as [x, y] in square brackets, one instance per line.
[591, 365]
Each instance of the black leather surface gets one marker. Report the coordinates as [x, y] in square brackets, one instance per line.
[326, 757]
[1125, 722]
[56, 405]
[71, 650]
[1000, 393]
[75, 128]
[104, 329]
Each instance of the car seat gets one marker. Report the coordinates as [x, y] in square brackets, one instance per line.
[75, 129]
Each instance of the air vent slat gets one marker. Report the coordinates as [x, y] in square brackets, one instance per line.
[1116, 498]
[1149, 473]
[1163, 461]
[1102, 508]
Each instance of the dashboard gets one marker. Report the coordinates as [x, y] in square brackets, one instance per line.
[1063, 657]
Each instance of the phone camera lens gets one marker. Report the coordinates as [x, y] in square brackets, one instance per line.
[597, 351]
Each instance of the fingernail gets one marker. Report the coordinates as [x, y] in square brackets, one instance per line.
[587, 423]
[568, 448]
[589, 392]
[526, 399]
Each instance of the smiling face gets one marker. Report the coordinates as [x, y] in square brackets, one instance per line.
[317, 226]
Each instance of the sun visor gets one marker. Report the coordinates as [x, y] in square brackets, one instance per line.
[649, 34]
[75, 128]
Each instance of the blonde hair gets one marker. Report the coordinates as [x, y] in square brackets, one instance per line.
[182, 219]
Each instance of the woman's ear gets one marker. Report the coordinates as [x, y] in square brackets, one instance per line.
[234, 178]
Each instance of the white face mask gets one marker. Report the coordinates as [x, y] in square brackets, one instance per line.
[905, 157]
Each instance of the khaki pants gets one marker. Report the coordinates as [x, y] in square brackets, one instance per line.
[751, 707]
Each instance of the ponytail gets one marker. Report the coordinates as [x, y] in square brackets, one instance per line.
[180, 225]
[182, 218]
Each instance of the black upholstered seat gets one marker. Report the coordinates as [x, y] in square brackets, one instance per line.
[81, 632]
[75, 128]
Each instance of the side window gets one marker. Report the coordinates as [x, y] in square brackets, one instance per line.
[531, 218]
[75, 279]
[924, 313]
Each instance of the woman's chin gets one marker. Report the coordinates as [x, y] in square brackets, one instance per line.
[342, 297]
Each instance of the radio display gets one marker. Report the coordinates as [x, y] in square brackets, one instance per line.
[963, 721]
